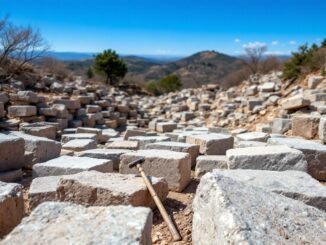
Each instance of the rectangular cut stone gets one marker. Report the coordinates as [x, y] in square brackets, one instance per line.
[110, 154]
[12, 150]
[67, 223]
[192, 149]
[295, 102]
[164, 127]
[133, 132]
[315, 154]
[40, 130]
[233, 212]
[253, 136]
[11, 207]
[71, 165]
[111, 189]
[175, 167]
[123, 144]
[293, 184]
[22, 111]
[305, 126]
[79, 145]
[43, 149]
[67, 137]
[275, 158]
[144, 140]
[212, 144]
[281, 125]
[70, 104]
[43, 189]
[206, 164]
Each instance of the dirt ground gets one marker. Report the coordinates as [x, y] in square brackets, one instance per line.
[179, 207]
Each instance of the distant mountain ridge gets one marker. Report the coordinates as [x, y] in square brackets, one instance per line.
[195, 70]
[201, 68]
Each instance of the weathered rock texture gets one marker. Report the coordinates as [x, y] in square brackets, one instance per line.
[66, 223]
[231, 212]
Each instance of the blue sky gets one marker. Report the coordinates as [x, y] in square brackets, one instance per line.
[171, 27]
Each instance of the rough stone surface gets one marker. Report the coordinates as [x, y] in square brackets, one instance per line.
[322, 129]
[43, 149]
[212, 144]
[11, 206]
[11, 152]
[281, 125]
[110, 189]
[174, 167]
[192, 149]
[22, 111]
[123, 144]
[315, 154]
[275, 158]
[293, 184]
[144, 140]
[110, 154]
[43, 189]
[305, 126]
[80, 136]
[253, 136]
[232, 212]
[40, 130]
[79, 145]
[66, 223]
[71, 165]
[11, 175]
[164, 127]
[208, 163]
[295, 102]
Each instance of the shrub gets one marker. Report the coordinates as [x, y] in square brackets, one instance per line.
[167, 84]
[306, 59]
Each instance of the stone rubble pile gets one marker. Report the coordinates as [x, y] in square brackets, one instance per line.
[258, 150]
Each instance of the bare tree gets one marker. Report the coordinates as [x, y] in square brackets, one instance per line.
[254, 55]
[19, 44]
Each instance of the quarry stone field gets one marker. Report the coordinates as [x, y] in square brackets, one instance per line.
[243, 165]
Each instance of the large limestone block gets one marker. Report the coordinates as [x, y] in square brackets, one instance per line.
[22, 111]
[208, 163]
[305, 126]
[322, 129]
[110, 154]
[164, 127]
[275, 158]
[11, 206]
[281, 125]
[253, 136]
[144, 140]
[192, 149]
[11, 175]
[12, 150]
[232, 212]
[295, 102]
[212, 144]
[71, 104]
[80, 145]
[43, 149]
[174, 167]
[315, 154]
[66, 223]
[133, 132]
[93, 188]
[80, 136]
[123, 144]
[43, 189]
[71, 165]
[40, 130]
[293, 184]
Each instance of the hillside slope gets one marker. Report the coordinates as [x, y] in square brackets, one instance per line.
[201, 68]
